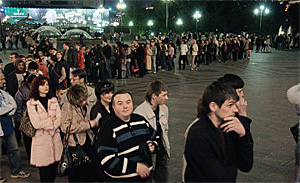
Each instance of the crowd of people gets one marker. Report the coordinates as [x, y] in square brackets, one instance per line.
[123, 144]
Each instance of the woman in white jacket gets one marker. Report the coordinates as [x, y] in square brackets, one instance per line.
[183, 55]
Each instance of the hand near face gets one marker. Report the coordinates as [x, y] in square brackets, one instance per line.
[242, 105]
[233, 124]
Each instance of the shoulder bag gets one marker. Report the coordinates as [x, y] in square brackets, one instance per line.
[72, 157]
[26, 126]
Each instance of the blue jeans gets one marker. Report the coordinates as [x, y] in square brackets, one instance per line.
[108, 69]
[153, 60]
[170, 63]
[13, 152]
[128, 70]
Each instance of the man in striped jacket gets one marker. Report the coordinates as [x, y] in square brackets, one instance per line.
[125, 143]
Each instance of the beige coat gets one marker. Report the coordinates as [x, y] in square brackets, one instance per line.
[146, 111]
[148, 59]
[80, 125]
[46, 147]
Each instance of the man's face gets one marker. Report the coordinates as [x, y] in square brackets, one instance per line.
[75, 80]
[240, 92]
[12, 58]
[104, 43]
[20, 66]
[59, 94]
[228, 109]
[123, 106]
[65, 47]
[1, 66]
[2, 80]
[106, 97]
[161, 98]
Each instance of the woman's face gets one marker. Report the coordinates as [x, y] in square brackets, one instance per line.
[106, 97]
[44, 88]
[83, 103]
[50, 60]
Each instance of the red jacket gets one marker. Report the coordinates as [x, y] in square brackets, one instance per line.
[80, 58]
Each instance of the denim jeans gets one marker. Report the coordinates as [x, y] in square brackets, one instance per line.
[108, 69]
[13, 152]
[153, 60]
[128, 69]
[170, 63]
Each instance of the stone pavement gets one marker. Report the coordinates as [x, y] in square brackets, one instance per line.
[267, 77]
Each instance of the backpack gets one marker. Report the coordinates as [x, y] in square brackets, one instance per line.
[26, 125]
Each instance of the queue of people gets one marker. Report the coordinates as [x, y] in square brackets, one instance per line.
[123, 144]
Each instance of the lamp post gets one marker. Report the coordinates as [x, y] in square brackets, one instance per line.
[261, 10]
[102, 10]
[150, 24]
[167, 14]
[121, 6]
[197, 16]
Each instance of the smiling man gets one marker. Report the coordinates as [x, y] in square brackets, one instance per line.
[125, 143]
[218, 144]
[156, 112]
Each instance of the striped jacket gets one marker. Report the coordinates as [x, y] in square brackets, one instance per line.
[120, 147]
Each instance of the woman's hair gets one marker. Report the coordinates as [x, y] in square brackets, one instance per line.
[34, 91]
[104, 87]
[216, 92]
[76, 94]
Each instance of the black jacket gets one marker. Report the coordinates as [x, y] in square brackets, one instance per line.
[211, 160]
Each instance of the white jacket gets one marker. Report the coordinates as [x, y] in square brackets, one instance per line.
[8, 109]
[145, 110]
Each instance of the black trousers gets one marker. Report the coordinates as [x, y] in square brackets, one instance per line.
[48, 173]
[182, 58]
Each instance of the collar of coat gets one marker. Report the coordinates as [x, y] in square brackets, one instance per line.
[149, 111]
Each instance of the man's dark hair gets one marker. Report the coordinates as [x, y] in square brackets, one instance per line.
[233, 80]
[21, 56]
[80, 73]
[105, 40]
[155, 88]
[15, 54]
[120, 92]
[67, 44]
[216, 92]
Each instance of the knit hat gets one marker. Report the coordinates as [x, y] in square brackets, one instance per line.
[293, 94]
[1, 61]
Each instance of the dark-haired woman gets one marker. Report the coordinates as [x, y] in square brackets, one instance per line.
[101, 111]
[57, 73]
[22, 96]
[44, 114]
[76, 114]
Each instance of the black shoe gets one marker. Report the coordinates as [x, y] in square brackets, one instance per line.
[141, 76]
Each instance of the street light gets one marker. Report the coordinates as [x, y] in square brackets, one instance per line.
[261, 10]
[130, 23]
[121, 6]
[150, 23]
[197, 16]
[179, 22]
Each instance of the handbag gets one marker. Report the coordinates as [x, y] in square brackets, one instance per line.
[72, 157]
[26, 126]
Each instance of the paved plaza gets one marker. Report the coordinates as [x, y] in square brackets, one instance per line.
[267, 77]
